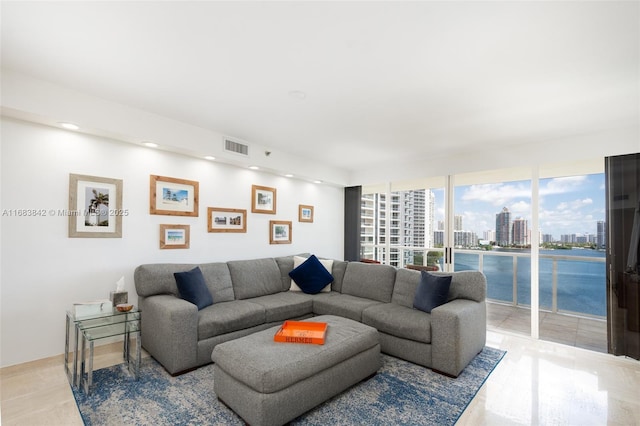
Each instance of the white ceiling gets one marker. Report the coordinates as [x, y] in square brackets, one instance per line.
[384, 80]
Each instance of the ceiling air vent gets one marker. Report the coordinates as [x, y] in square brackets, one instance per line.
[236, 147]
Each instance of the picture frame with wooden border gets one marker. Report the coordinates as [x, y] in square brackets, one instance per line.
[279, 232]
[305, 213]
[226, 220]
[174, 236]
[263, 199]
[95, 207]
[173, 196]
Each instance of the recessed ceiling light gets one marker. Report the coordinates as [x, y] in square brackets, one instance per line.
[209, 157]
[317, 181]
[254, 167]
[69, 126]
[150, 144]
[297, 94]
[288, 175]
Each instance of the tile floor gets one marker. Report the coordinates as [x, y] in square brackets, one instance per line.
[538, 382]
[546, 383]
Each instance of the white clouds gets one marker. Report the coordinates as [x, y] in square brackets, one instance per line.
[497, 194]
[571, 217]
[562, 185]
[521, 208]
[479, 218]
[478, 221]
[567, 205]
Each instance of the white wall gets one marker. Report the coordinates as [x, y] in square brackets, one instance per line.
[43, 271]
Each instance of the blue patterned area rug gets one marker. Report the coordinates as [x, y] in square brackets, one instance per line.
[401, 393]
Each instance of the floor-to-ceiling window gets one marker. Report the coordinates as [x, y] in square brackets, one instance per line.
[572, 268]
[492, 216]
[403, 223]
[536, 233]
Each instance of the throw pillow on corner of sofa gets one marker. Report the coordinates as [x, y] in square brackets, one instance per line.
[432, 291]
[193, 287]
[311, 276]
[299, 260]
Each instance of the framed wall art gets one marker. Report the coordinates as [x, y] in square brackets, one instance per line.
[305, 213]
[174, 236]
[279, 232]
[226, 220]
[95, 207]
[263, 199]
[172, 196]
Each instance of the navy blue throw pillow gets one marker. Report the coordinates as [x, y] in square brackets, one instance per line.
[193, 287]
[432, 291]
[311, 276]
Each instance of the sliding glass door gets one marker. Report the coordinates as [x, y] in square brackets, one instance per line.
[538, 234]
[491, 233]
[572, 285]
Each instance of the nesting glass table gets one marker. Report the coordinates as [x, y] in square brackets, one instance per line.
[86, 330]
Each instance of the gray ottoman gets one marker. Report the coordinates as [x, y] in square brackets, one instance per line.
[271, 383]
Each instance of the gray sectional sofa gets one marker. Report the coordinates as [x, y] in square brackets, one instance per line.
[252, 295]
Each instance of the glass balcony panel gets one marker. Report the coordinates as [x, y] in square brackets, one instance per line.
[524, 280]
[499, 273]
[584, 292]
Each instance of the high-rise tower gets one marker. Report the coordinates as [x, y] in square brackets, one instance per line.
[503, 227]
[520, 236]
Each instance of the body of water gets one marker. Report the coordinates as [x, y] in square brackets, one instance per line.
[581, 284]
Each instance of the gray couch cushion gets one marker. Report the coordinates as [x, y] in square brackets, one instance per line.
[226, 317]
[218, 281]
[399, 321]
[404, 290]
[158, 278]
[267, 366]
[284, 306]
[372, 281]
[343, 305]
[256, 277]
[339, 267]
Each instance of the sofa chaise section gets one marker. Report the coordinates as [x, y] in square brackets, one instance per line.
[447, 338]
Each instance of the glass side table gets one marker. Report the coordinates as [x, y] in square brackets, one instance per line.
[88, 329]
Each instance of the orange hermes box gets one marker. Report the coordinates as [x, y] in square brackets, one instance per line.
[301, 332]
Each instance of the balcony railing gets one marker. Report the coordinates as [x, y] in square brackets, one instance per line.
[567, 283]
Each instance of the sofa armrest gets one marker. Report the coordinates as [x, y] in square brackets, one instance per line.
[458, 334]
[170, 331]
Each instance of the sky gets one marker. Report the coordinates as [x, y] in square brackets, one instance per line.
[569, 205]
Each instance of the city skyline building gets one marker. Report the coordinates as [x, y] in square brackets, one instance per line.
[489, 235]
[457, 222]
[503, 227]
[520, 232]
[406, 219]
[601, 236]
